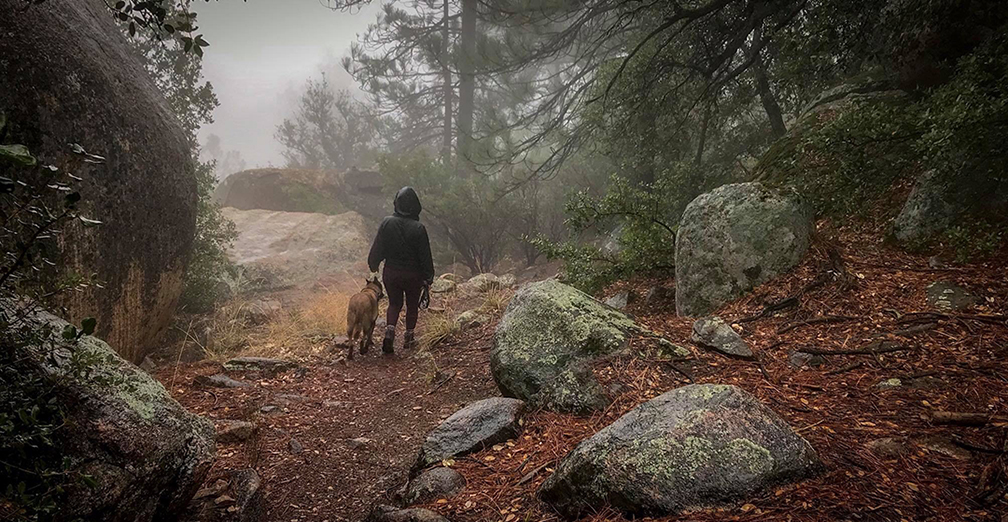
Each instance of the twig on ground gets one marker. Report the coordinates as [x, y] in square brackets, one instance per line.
[816, 320]
[961, 418]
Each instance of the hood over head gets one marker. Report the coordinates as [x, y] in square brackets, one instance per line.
[407, 203]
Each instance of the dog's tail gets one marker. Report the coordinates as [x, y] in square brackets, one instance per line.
[352, 326]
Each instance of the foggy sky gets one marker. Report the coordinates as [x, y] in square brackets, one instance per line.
[261, 52]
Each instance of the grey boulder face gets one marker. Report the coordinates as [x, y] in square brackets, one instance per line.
[734, 238]
[546, 342]
[434, 484]
[928, 211]
[478, 425]
[148, 454]
[69, 76]
[949, 297]
[715, 334]
[696, 446]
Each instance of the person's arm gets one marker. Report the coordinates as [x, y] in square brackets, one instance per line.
[426, 260]
[377, 254]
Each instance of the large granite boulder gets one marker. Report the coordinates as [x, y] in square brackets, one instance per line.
[733, 239]
[287, 190]
[929, 210]
[546, 343]
[147, 454]
[696, 446]
[67, 76]
[478, 425]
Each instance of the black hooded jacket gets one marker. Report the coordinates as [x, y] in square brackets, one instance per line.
[402, 240]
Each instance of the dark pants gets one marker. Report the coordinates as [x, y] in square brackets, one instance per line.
[400, 284]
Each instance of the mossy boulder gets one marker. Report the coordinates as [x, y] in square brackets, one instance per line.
[733, 239]
[68, 76]
[148, 455]
[546, 343]
[697, 446]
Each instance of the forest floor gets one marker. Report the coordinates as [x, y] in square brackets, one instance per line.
[875, 299]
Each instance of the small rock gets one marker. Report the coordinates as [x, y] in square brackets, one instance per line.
[893, 382]
[948, 297]
[262, 311]
[219, 381]
[286, 399]
[471, 319]
[335, 404]
[656, 294]
[481, 283]
[269, 408]
[799, 359]
[237, 497]
[358, 443]
[340, 341]
[507, 280]
[434, 484]
[148, 365]
[888, 447]
[620, 300]
[478, 425]
[213, 490]
[295, 447]
[442, 286]
[944, 446]
[230, 431]
[715, 334]
[258, 364]
[392, 514]
[454, 278]
[671, 349]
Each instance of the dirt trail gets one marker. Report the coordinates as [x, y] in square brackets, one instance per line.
[390, 401]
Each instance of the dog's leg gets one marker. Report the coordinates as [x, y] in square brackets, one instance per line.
[368, 339]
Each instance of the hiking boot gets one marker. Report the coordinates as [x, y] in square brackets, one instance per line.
[386, 346]
[408, 341]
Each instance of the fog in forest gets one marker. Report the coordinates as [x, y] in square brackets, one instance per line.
[503, 260]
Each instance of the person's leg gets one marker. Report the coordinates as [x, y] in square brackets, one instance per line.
[396, 293]
[412, 290]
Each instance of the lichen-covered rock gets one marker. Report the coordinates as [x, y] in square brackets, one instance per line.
[442, 286]
[928, 211]
[620, 300]
[949, 297]
[696, 446]
[471, 319]
[392, 514]
[147, 453]
[219, 381]
[434, 484]
[800, 360]
[480, 424]
[67, 76]
[546, 342]
[481, 283]
[733, 239]
[715, 334]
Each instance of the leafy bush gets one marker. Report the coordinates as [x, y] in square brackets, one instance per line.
[214, 234]
[38, 205]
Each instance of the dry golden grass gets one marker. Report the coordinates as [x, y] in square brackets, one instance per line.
[495, 301]
[300, 332]
[438, 326]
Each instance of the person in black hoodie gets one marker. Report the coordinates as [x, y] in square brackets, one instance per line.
[403, 244]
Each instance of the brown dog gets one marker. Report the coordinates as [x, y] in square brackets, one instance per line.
[362, 312]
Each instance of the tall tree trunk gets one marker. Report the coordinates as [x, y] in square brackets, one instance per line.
[770, 105]
[446, 146]
[698, 159]
[467, 82]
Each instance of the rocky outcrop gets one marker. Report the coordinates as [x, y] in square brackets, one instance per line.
[297, 247]
[733, 239]
[266, 365]
[486, 282]
[478, 425]
[147, 454]
[287, 190]
[69, 77]
[696, 446]
[548, 339]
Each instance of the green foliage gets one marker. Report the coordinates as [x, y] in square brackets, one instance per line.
[469, 212]
[38, 209]
[644, 222]
[975, 240]
[214, 233]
